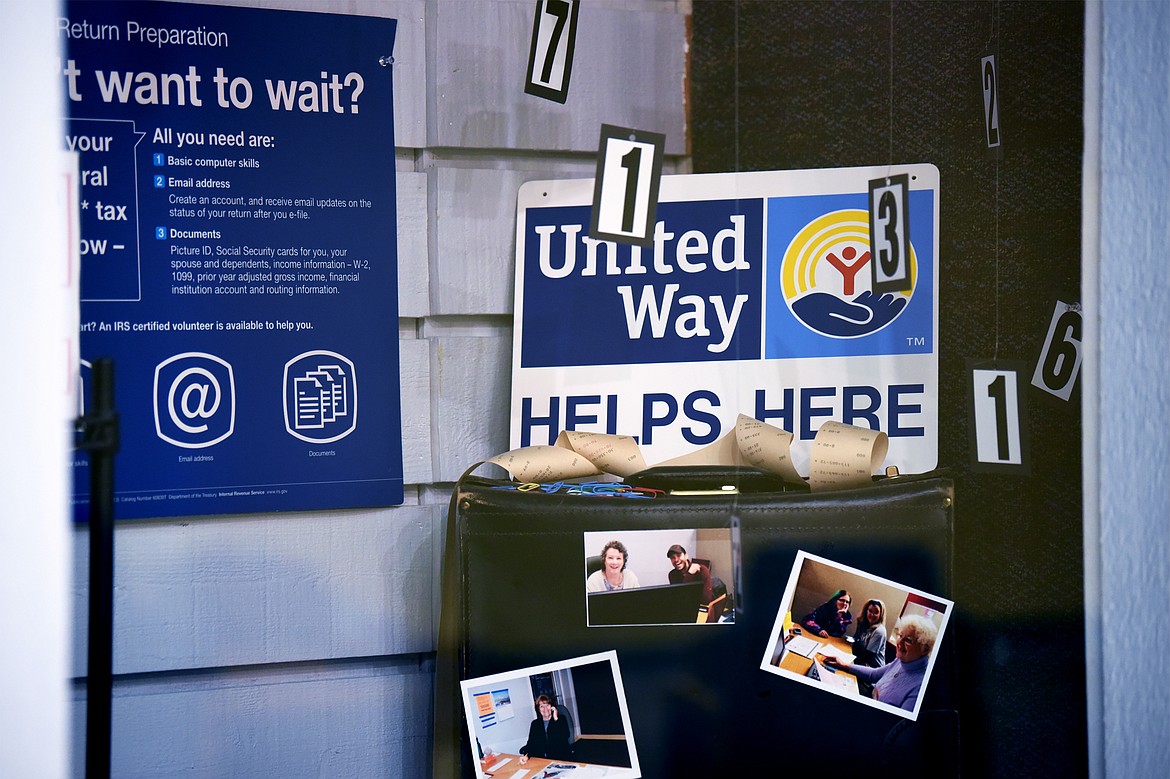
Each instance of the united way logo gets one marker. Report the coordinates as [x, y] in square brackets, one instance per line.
[194, 400]
[826, 278]
[320, 397]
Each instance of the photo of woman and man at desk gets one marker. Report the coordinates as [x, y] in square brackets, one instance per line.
[659, 577]
[856, 635]
[566, 720]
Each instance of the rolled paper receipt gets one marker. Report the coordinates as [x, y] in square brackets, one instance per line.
[574, 456]
[844, 457]
[543, 464]
[753, 443]
[616, 454]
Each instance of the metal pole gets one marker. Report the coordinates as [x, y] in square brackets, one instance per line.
[100, 439]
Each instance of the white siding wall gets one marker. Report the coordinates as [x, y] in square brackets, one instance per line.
[301, 644]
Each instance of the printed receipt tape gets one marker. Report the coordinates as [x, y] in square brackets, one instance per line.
[843, 456]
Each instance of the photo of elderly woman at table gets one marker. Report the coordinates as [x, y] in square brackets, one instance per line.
[614, 575]
[898, 683]
[831, 618]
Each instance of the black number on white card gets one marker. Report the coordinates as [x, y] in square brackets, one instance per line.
[632, 162]
[1060, 361]
[625, 192]
[990, 101]
[1062, 354]
[888, 218]
[550, 58]
[889, 233]
[997, 430]
[559, 9]
[997, 391]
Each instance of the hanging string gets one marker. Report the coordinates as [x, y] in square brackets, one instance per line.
[993, 46]
[890, 158]
[995, 354]
[736, 87]
[994, 24]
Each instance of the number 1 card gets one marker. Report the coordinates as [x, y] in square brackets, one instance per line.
[625, 197]
[999, 441]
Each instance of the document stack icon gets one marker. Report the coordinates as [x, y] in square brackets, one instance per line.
[320, 397]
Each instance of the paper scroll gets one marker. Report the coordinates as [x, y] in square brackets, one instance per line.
[843, 456]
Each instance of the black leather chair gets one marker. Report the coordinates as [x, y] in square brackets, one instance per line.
[563, 713]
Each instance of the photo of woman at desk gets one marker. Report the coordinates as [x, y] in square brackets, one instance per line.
[685, 576]
[548, 735]
[865, 666]
[614, 574]
[831, 618]
[869, 638]
[562, 719]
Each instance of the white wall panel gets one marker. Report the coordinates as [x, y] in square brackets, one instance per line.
[471, 379]
[344, 722]
[413, 266]
[410, 67]
[475, 240]
[628, 70]
[415, 371]
[270, 588]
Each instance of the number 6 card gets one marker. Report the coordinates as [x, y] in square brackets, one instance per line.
[1060, 359]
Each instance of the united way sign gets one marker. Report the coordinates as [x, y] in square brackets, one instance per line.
[239, 262]
[755, 296]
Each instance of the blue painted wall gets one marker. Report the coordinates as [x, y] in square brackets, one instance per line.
[1133, 284]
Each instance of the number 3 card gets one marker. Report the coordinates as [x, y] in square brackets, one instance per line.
[889, 233]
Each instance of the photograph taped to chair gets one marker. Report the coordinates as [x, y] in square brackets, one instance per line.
[564, 718]
[856, 635]
[679, 576]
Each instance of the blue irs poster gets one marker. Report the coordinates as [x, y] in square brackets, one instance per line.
[239, 260]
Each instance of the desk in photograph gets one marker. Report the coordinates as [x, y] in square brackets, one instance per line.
[802, 666]
[535, 765]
